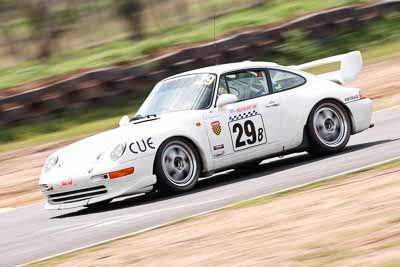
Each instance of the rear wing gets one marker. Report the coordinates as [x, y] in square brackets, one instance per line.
[350, 66]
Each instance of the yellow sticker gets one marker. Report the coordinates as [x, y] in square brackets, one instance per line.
[210, 79]
[222, 91]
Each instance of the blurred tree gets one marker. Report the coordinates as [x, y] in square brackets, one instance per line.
[6, 12]
[131, 11]
[182, 10]
[47, 25]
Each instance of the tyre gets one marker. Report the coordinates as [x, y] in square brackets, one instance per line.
[177, 166]
[328, 128]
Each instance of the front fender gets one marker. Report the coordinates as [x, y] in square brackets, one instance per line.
[198, 137]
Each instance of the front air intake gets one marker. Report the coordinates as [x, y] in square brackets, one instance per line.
[77, 195]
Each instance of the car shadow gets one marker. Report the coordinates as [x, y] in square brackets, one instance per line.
[233, 176]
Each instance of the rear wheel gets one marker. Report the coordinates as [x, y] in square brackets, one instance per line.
[177, 166]
[328, 128]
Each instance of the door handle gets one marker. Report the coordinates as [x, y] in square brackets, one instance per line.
[272, 104]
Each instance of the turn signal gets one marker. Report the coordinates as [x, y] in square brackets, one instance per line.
[121, 173]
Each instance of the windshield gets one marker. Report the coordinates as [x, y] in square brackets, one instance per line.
[186, 92]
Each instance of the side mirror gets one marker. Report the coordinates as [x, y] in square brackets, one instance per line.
[124, 121]
[226, 99]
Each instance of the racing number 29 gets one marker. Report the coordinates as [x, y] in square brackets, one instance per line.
[250, 131]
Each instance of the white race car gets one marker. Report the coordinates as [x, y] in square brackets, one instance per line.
[208, 120]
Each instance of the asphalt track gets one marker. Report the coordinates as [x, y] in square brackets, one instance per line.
[31, 232]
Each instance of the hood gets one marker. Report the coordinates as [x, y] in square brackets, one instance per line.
[89, 149]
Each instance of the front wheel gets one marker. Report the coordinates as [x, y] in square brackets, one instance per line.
[328, 128]
[177, 166]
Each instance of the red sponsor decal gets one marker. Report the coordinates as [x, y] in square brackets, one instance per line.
[246, 108]
[67, 182]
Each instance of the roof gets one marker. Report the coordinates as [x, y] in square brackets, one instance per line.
[219, 69]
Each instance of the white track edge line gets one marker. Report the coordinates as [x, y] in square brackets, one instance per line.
[210, 211]
[387, 109]
[4, 210]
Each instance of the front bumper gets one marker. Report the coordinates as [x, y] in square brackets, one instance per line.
[361, 114]
[81, 190]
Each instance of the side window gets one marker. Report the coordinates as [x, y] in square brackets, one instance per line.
[222, 87]
[247, 84]
[283, 80]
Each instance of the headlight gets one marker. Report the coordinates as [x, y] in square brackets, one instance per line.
[50, 163]
[118, 151]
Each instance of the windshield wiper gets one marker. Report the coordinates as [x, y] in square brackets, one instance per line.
[139, 117]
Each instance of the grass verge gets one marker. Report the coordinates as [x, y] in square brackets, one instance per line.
[241, 205]
[71, 125]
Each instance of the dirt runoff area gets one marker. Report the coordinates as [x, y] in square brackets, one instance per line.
[21, 169]
[20, 172]
[381, 83]
[348, 221]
